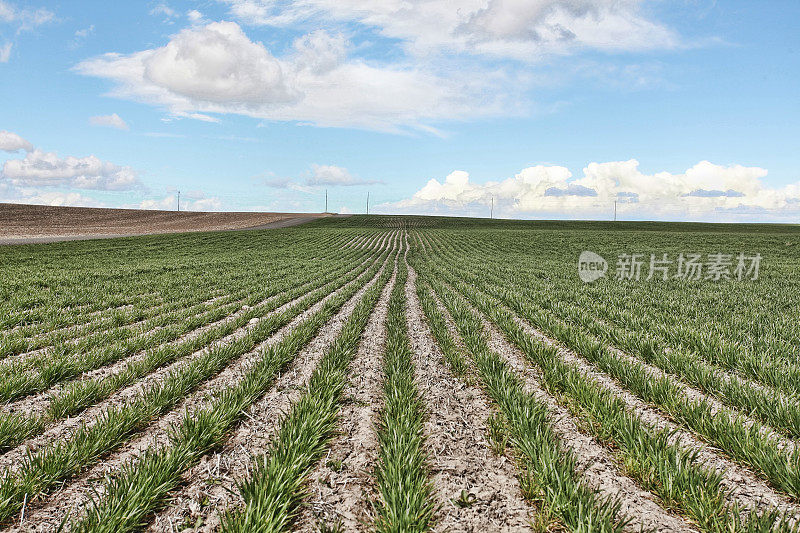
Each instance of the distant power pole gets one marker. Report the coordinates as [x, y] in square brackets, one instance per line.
[368, 202]
[179, 200]
[615, 210]
[491, 211]
[326, 200]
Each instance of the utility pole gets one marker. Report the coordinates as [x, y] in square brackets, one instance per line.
[615, 210]
[368, 202]
[326, 200]
[491, 211]
[179, 200]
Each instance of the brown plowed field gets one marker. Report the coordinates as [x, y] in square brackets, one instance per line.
[22, 223]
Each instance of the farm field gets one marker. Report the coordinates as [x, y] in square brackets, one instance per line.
[391, 373]
[30, 224]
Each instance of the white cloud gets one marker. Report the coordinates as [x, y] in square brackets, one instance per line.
[205, 204]
[703, 192]
[5, 52]
[33, 178]
[54, 198]
[25, 195]
[21, 20]
[167, 203]
[43, 169]
[334, 176]
[85, 32]
[318, 176]
[164, 10]
[110, 121]
[217, 69]
[192, 201]
[7, 12]
[81, 36]
[195, 17]
[25, 19]
[520, 29]
[11, 142]
[218, 63]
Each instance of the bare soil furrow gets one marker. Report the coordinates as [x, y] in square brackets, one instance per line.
[71, 498]
[76, 330]
[715, 405]
[360, 242]
[726, 375]
[342, 487]
[381, 244]
[65, 428]
[152, 296]
[38, 403]
[461, 458]
[349, 242]
[211, 485]
[136, 327]
[746, 487]
[371, 242]
[595, 462]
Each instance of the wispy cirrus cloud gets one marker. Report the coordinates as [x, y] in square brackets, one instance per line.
[20, 20]
[319, 176]
[109, 121]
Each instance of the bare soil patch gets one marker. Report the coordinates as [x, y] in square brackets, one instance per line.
[26, 224]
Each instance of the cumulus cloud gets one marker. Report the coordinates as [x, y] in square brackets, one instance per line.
[46, 169]
[216, 69]
[55, 198]
[703, 192]
[25, 195]
[109, 121]
[11, 142]
[5, 52]
[195, 17]
[520, 29]
[572, 189]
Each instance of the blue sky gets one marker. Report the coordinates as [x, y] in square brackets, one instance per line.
[684, 110]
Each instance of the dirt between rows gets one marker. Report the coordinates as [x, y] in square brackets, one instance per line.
[210, 486]
[75, 495]
[341, 488]
[747, 488]
[27, 224]
[461, 459]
